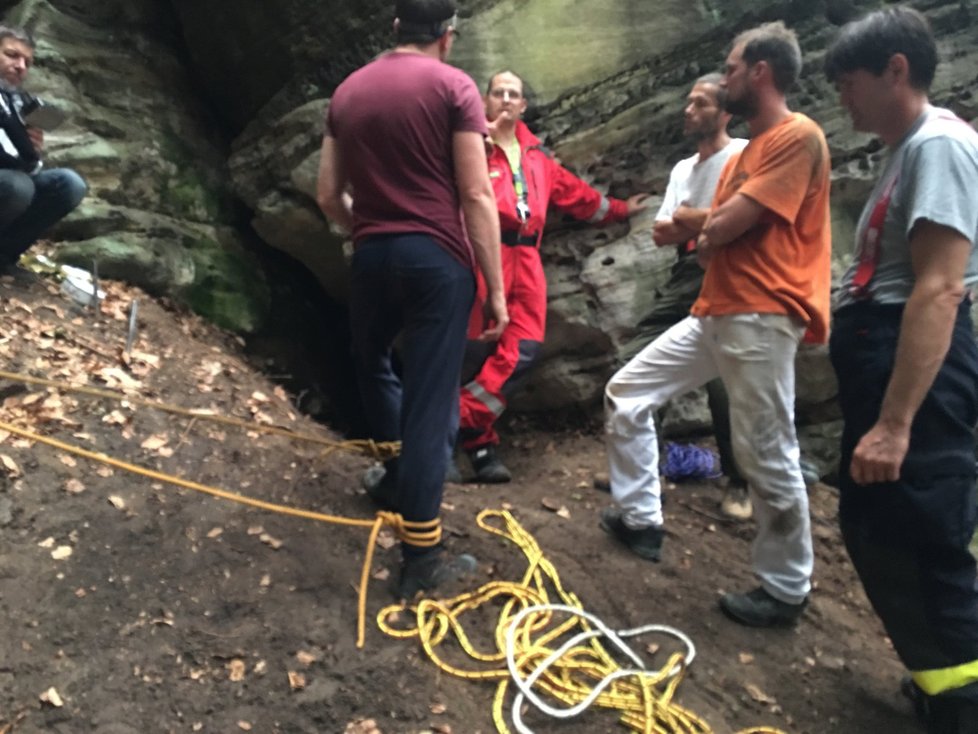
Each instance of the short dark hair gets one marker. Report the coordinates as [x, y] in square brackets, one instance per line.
[870, 42]
[18, 34]
[498, 73]
[714, 79]
[424, 21]
[776, 44]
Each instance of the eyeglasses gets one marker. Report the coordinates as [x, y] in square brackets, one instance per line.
[502, 94]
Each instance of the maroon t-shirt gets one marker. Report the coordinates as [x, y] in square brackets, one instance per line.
[393, 121]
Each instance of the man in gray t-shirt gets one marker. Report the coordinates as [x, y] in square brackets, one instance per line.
[905, 356]
[685, 206]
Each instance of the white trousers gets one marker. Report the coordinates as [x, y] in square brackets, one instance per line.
[754, 355]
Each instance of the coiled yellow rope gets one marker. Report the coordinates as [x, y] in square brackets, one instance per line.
[531, 646]
[572, 673]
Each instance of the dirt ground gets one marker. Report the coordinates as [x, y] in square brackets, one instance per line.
[130, 606]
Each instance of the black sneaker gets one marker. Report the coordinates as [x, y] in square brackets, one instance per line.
[379, 488]
[644, 542]
[487, 466]
[424, 573]
[758, 608]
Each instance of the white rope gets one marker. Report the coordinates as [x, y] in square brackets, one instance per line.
[601, 630]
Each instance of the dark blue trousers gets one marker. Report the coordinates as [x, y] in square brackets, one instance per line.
[30, 205]
[408, 285]
[909, 539]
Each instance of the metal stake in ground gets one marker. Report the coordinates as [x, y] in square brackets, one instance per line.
[95, 299]
[131, 336]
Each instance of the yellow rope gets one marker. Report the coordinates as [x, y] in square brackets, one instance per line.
[643, 701]
[418, 533]
[644, 705]
[367, 447]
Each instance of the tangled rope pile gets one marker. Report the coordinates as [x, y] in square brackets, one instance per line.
[548, 651]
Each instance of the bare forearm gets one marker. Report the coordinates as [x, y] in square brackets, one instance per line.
[731, 219]
[925, 336]
[482, 226]
[668, 232]
[691, 219]
[337, 211]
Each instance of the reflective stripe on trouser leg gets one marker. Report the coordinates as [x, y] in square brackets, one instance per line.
[676, 362]
[756, 358]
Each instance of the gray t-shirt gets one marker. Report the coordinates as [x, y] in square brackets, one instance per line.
[937, 165]
[694, 182]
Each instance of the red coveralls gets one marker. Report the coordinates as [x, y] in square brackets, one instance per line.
[484, 399]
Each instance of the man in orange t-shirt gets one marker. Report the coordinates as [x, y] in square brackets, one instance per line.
[767, 252]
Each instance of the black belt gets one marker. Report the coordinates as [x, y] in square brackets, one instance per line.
[515, 239]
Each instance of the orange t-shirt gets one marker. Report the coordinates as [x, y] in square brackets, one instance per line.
[783, 264]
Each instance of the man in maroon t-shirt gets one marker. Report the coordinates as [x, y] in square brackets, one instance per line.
[407, 134]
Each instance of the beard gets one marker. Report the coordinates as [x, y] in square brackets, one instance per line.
[706, 130]
[745, 105]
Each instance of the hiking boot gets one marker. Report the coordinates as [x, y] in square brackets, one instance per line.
[644, 542]
[758, 608]
[487, 466]
[736, 503]
[381, 490]
[424, 573]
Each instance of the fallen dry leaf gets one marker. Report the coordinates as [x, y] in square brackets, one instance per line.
[305, 658]
[381, 574]
[438, 708]
[74, 486]
[266, 581]
[757, 694]
[10, 465]
[61, 552]
[268, 540]
[117, 502]
[236, 670]
[67, 460]
[244, 725]
[51, 696]
[362, 726]
[746, 658]
[256, 530]
[214, 532]
[155, 442]
[564, 513]
[550, 504]
[297, 681]
[386, 540]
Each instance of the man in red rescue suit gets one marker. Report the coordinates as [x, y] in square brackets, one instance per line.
[526, 180]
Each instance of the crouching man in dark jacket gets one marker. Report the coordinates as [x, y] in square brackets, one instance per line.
[32, 198]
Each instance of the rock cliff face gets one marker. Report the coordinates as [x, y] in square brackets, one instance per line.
[183, 108]
[159, 212]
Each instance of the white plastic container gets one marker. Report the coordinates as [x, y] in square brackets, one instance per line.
[78, 286]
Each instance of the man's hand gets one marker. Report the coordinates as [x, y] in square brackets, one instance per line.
[496, 314]
[704, 250]
[505, 117]
[36, 135]
[880, 454]
[637, 203]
